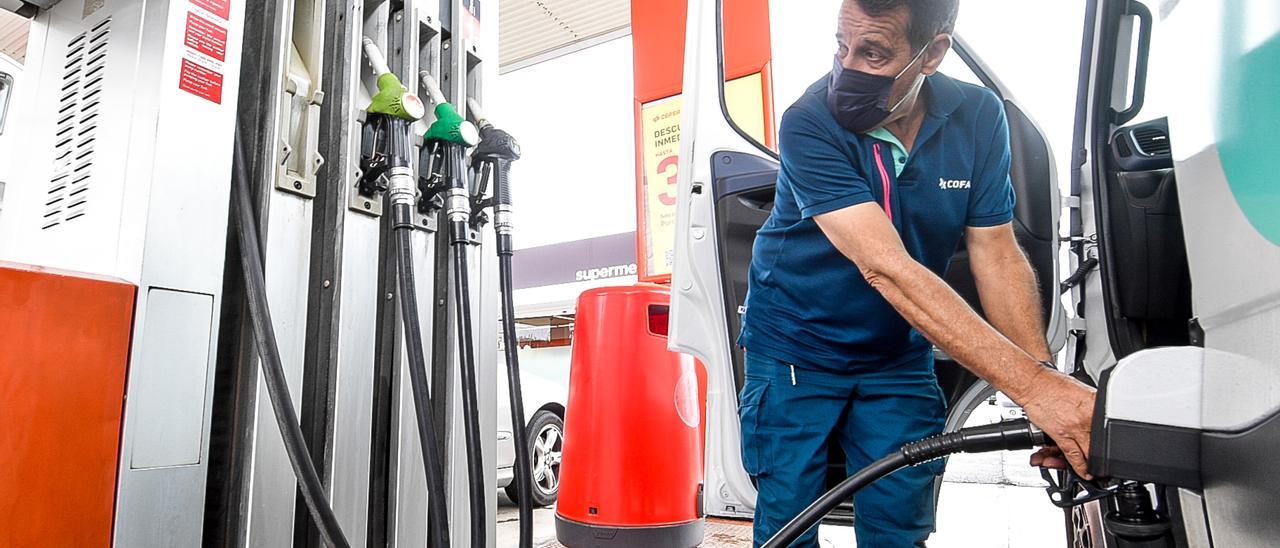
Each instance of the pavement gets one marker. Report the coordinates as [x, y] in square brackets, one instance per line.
[989, 500]
[970, 515]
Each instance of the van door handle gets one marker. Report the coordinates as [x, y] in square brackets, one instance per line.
[1139, 10]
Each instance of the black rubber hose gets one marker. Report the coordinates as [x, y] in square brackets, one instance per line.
[1006, 436]
[437, 513]
[264, 338]
[466, 355]
[524, 462]
[831, 499]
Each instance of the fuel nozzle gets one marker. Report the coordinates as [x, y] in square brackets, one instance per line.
[1001, 436]
[449, 127]
[392, 97]
[496, 151]
[387, 147]
[495, 144]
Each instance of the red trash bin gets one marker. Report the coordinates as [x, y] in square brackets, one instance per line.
[631, 473]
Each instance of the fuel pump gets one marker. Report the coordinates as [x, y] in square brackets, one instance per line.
[493, 157]
[391, 114]
[448, 138]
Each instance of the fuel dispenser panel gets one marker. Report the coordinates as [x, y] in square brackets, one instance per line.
[64, 350]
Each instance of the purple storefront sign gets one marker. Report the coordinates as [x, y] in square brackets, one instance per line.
[612, 256]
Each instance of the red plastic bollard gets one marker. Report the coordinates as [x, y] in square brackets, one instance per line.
[631, 473]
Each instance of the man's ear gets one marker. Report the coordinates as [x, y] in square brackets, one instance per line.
[937, 50]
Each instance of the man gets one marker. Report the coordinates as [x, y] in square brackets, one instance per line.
[886, 164]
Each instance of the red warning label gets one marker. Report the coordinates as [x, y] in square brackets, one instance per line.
[221, 8]
[200, 81]
[206, 37]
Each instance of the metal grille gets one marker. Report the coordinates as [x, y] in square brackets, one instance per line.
[76, 128]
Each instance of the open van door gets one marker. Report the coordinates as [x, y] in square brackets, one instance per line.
[1173, 161]
[726, 188]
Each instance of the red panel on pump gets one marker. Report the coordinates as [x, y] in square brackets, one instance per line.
[64, 350]
[632, 459]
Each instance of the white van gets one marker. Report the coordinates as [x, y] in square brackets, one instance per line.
[1170, 263]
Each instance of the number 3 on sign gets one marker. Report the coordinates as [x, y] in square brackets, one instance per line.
[672, 164]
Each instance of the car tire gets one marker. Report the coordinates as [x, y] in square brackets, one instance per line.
[1084, 525]
[546, 441]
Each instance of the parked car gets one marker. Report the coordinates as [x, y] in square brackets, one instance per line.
[544, 404]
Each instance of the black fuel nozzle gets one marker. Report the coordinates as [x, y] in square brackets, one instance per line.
[1072, 490]
[493, 156]
[1001, 436]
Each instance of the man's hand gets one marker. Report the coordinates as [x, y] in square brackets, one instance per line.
[1063, 408]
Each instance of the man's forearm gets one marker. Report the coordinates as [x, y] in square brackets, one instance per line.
[1011, 300]
[932, 307]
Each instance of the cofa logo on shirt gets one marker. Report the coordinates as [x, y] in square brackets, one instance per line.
[946, 184]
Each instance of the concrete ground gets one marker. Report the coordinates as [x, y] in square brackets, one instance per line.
[991, 500]
[969, 516]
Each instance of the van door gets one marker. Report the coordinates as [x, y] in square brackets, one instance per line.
[1178, 214]
[726, 188]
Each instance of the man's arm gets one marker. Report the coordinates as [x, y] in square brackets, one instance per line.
[1060, 405]
[1007, 287]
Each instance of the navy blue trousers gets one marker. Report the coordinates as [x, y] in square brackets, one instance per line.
[788, 417]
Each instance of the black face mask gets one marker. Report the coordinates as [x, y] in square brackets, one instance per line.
[860, 100]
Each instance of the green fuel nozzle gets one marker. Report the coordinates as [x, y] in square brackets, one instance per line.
[450, 126]
[392, 99]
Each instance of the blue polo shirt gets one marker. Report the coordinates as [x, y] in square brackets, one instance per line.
[808, 304]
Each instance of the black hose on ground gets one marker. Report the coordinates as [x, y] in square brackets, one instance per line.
[264, 338]
[459, 211]
[496, 151]
[1002, 436]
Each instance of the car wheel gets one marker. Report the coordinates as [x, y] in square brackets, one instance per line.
[1084, 526]
[546, 441]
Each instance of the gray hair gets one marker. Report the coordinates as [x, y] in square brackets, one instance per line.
[929, 18]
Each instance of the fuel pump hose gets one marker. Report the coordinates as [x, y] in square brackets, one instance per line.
[394, 108]
[459, 213]
[1002, 436]
[454, 134]
[269, 353]
[498, 149]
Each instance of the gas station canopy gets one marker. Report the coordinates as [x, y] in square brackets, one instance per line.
[537, 30]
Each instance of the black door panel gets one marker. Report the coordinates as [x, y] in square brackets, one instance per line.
[1144, 262]
[743, 186]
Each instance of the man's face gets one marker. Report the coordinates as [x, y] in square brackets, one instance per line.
[879, 45]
